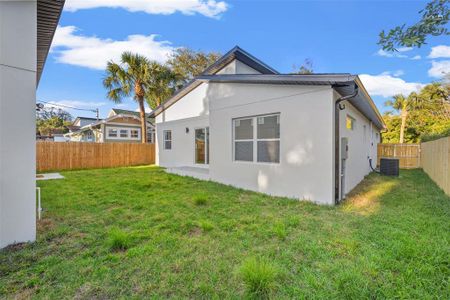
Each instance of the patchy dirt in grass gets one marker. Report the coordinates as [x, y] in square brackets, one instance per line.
[15, 247]
[44, 225]
[196, 231]
[24, 294]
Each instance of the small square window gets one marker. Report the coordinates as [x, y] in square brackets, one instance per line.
[134, 133]
[350, 123]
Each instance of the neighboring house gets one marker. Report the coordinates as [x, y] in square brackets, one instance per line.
[242, 123]
[26, 33]
[55, 135]
[120, 126]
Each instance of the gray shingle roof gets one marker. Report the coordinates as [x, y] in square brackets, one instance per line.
[118, 111]
[243, 56]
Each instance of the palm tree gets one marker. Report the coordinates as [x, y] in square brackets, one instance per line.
[131, 76]
[162, 84]
[402, 105]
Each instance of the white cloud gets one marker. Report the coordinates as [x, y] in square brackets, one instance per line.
[208, 8]
[93, 52]
[147, 109]
[398, 54]
[439, 68]
[386, 85]
[404, 49]
[383, 53]
[394, 73]
[441, 51]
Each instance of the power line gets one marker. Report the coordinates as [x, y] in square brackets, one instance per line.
[68, 106]
[73, 107]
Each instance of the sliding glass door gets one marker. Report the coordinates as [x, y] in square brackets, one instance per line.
[202, 146]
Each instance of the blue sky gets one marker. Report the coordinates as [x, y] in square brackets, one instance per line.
[338, 36]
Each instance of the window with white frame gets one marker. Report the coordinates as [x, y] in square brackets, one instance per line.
[121, 133]
[350, 122]
[124, 133]
[150, 135]
[134, 133]
[112, 132]
[257, 139]
[167, 135]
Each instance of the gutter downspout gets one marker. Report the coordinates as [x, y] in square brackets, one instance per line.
[337, 107]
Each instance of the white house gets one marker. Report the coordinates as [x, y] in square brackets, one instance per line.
[121, 126]
[26, 32]
[242, 123]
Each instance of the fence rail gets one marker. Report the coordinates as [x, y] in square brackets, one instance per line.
[72, 155]
[408, 154]
[436, 160]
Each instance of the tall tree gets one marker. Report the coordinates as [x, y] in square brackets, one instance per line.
[162, 82]
[401, 104]
[187, 63]
[435, 17]
[305, 68]
[421, 116]
[49, 120]
[129, 78]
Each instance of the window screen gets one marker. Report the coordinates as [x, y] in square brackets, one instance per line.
[243, 151]
[123, 133]
[269, 127]
[269, 151]
[167, 134]
[260, 144]
[243, 129]
[112, 132]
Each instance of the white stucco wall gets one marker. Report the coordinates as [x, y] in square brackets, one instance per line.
[362, 145]
[306, 169]
[237, 67]
[17, 121]
[183, 147]
[192, 105]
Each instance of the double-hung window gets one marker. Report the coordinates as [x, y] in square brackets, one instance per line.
[112, 132]
[150, 135]
[257, 139]
[123, 133]
[134, 133]
[167, 135]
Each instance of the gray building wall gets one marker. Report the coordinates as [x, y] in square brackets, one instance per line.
[18, 27]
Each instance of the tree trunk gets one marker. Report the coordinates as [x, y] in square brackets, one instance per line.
[402, 127]
[143, 120]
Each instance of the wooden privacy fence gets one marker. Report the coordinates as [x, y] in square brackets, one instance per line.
[408, 154]
[435, 162]
[73, 155]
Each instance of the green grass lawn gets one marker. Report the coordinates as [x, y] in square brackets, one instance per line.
[139, 232]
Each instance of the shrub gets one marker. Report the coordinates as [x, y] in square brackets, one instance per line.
[206, 225]
[279, 229]
[119, 240]
[200, 199]
[259, 277]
